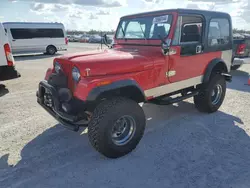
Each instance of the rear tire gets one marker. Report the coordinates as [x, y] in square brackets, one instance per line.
[51, 50]
[108, 117]
[211, 95]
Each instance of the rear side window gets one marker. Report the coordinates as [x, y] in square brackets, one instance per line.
[219, 32]
[36, 33]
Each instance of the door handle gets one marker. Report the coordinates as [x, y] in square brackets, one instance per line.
[198, 49]
[13, 40]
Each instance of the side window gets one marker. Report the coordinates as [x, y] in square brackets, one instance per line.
[21, 33]
[188, 29]
[36, 33]
[48, 33]
[218, 33]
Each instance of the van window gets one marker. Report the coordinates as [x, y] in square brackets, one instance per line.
[218, 32]
[36, 33]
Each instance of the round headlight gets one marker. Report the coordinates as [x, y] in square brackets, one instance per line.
[57, 67]
[76, 74]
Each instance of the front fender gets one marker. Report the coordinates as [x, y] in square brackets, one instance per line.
[48, 73]
[90, 91]
[96, 92]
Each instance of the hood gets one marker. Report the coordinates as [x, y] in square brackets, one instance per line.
[107, 62]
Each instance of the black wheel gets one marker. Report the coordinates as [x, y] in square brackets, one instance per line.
[51, 50]
[235, 67]
[211, 95]
[116, 127]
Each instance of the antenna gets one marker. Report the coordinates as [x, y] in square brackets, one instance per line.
[101, 32]
[101, 39]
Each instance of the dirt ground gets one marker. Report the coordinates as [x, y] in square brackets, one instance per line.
[181, 148]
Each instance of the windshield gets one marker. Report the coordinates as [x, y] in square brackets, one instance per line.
[149, 27]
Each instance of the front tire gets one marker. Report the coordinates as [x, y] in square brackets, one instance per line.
[116, 127]
[211, 95]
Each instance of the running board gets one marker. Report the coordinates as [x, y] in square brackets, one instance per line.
[173, 100]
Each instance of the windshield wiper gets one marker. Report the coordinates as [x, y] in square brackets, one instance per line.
[142, 32]
[123, 32]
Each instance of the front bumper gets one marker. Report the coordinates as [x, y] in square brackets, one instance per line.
[71, 121]
[240, 61]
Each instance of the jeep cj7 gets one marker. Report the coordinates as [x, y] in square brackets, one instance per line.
[173, 54]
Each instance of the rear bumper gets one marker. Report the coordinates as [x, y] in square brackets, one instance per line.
[70, 121]
[8, 73]
[240, 61]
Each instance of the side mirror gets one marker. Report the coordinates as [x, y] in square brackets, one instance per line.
[165, 45]
[165, 48]
[105, 38]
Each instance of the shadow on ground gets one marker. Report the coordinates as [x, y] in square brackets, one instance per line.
[240, 79]
[181, 148]
[27, 57]
[3, 90]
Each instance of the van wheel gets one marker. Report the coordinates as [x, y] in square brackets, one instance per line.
[51, 50]
[211, 95]
[114, 129]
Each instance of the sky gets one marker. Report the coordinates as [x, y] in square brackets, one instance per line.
[104, 14]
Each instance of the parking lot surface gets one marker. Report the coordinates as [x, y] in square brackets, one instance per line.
[181, 148]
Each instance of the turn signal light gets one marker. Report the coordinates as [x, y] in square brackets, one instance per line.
[102, 83]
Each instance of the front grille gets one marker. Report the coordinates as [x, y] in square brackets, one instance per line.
[58, 80]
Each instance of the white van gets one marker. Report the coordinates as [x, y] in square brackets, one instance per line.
[30, 37]
[7, 64]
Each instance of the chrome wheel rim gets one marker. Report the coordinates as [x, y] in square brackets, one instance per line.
[123, 130]
[216, 94]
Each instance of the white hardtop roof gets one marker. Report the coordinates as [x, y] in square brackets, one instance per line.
[52, 23]
[32, 25]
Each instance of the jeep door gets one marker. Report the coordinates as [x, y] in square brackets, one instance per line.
[187, 60]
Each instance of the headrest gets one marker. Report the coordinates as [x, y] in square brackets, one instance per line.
[159, 30]
[191, 29]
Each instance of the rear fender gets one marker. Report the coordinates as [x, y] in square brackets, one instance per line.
[216, 66]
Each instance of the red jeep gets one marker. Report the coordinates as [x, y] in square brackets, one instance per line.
[155, 55]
